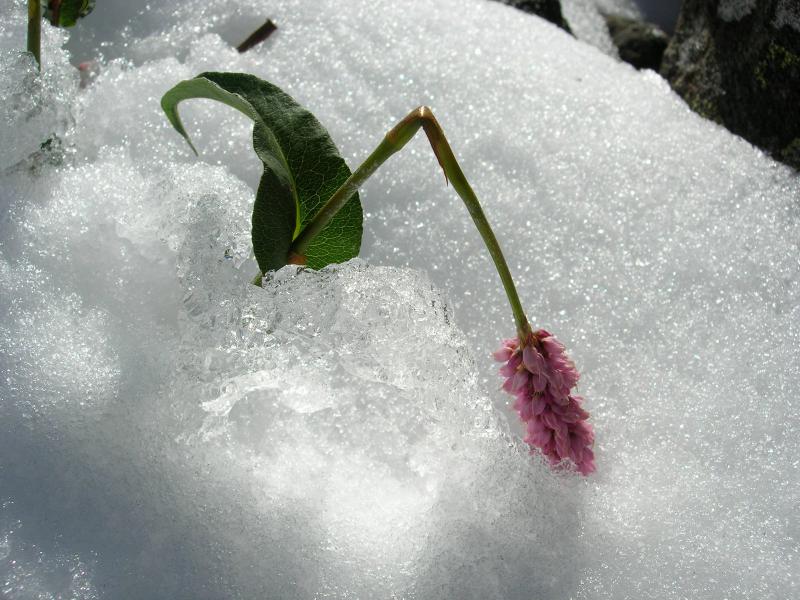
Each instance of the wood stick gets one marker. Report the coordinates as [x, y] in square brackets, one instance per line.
[258, 36]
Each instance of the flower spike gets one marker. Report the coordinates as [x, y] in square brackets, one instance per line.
[541, 376]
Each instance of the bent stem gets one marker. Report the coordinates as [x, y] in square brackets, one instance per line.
[35, 31]
[394, 141]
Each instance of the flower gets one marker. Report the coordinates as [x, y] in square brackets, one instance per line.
[540, 375]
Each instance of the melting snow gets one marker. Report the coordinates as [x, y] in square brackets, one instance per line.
[169, 431]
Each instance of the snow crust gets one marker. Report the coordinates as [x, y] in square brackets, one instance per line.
[168, 430]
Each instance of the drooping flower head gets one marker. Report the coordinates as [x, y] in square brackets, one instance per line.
[541, 376]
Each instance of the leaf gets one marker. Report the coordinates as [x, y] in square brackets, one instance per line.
[302, 168]
[65, 13]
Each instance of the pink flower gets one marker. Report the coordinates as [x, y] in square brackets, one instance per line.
[541, 376]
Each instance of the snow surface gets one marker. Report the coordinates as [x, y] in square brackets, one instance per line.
[169, 431]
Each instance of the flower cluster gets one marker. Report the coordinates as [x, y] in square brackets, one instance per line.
[540, 375]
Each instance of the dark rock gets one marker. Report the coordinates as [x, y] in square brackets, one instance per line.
[547, 9]
[743, 73]
[640, 44]
[664, 13]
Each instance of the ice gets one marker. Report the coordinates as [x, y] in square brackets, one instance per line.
[168, 430]
[295, 445]
[35, 109]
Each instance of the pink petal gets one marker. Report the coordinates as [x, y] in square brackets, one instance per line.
[563, 446]
[524, 407]
[532, 360]
[502, 355]
[541, 375]
[508, 370]
[521, 380]
[539, 382]
[586, 466]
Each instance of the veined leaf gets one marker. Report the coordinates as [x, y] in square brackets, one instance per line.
[302, 168]
[65, 13]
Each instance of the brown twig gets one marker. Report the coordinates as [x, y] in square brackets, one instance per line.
[258, 36]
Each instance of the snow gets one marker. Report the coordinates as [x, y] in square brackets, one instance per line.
[30, 573]
[585, 18]
[34, 109]
[587, 23]
[735, 10]
[787, 13]
[626, 8]
[168, 430]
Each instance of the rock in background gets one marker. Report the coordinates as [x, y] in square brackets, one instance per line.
[738, 63]
[639, 43]
[547, 9]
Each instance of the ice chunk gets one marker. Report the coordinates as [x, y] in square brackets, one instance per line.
[356, 399]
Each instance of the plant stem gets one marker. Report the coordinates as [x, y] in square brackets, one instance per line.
[394, 142]
[54, 6]
[258, 36]
[35, 30]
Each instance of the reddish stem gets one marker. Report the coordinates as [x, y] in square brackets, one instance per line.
[55, 11]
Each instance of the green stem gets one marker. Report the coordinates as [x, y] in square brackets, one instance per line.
[35, 30]
[394, 142]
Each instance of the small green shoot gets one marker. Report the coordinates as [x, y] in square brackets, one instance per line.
[288, 139]
[302, 169]
[65, 13]
[307, 209]
[35, 31]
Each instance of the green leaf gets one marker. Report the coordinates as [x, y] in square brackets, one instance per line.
[65, 13]
[302, 168]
